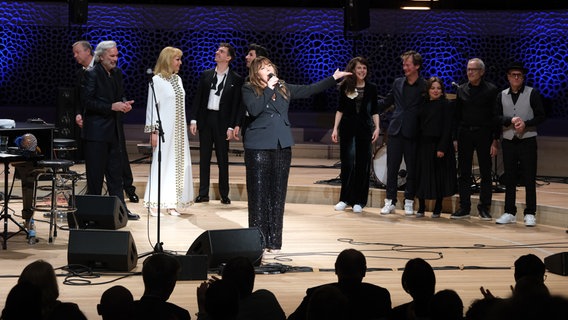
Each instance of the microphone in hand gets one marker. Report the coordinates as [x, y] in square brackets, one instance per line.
[278, 84]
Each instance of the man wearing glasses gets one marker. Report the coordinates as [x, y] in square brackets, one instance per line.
[520, 110]
[478, 131]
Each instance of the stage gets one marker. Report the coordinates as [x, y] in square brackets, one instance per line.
[466, 254]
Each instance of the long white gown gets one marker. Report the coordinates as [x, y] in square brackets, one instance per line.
[177, 180]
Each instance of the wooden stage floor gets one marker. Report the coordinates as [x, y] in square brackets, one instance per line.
[466, 254]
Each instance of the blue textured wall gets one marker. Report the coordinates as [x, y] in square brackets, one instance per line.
[306, 44]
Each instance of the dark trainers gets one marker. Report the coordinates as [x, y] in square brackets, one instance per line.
[460, 214]
[484, 215]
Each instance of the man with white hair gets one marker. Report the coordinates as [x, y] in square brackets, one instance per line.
[104, 103]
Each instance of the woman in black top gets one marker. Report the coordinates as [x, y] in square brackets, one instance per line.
[356, 127]
[436, 165]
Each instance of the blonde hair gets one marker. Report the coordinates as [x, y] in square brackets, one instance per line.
[164, 63]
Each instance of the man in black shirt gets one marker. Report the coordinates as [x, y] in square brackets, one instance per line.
[520, 111]
[477, 131]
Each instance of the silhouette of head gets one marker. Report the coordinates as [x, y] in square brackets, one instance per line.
[418, 278]
[115, 303]
[350, 265]
[160, 272]
[529, 265]
[240, 272]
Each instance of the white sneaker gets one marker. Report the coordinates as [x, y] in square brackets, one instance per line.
[409, 207]
[340, 206]
[388, 208]
[530, 220]
[357, 209]
[506, 218]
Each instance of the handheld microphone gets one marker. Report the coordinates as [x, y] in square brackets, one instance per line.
[279, 83]
[455, 84]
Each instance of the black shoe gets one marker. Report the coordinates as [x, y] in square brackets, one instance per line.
[484, 215]
[133, 197]
[225, 200]
[201, 199]
[460, 214]
[133, 216]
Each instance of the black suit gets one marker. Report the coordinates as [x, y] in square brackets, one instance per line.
[402, 131]
[213, 126]
[103, 133]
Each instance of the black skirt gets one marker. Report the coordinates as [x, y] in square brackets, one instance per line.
[435, 177]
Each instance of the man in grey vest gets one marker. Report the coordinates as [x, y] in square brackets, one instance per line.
[520, 111]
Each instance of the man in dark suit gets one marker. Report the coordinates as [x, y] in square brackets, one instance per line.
[214, 114]
[102, 95]
[365, 300]
[83, 54]
[406, 95]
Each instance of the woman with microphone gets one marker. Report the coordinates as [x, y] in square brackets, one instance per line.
[268, 141]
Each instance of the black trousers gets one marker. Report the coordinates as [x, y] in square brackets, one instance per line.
[27, 172]
[476, 139]
[355, 155]
[397, 148]
[104, 160]
[267, 174]
[209, 136]
[520, 160]
[127, 177]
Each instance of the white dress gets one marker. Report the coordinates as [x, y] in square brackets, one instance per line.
[177, 180]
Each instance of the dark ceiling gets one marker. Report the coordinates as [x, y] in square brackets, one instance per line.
[380, 4]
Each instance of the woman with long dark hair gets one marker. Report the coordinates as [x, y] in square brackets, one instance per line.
[356, 127]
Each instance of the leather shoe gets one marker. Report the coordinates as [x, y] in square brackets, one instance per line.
[484, 215]
[225, 200]
[133, 197]
[133, 216]
[202, 199]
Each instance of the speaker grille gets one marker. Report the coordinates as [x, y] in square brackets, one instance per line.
[222, 245]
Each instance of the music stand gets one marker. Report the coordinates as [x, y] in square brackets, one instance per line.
[6, 160]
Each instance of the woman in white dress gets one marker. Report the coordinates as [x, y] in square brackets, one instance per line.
[176, 177]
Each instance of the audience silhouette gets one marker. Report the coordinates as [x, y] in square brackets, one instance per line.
[446, 305]
[365, 300]
[159, 273]
[116, 304]
[419, 281]
[41, 274]
[23, 303]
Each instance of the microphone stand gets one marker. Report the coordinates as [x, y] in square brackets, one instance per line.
[158, 248]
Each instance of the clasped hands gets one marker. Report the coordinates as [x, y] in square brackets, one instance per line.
[519, 124]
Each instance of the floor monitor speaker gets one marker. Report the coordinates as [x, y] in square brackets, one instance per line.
[222, 245]
[557, 263]
[193, 267]
[102, 249]
[98, 212]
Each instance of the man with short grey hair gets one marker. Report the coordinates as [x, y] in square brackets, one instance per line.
[477, 131]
